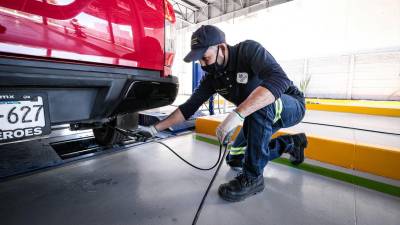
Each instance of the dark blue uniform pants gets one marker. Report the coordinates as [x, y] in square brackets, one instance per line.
[258, 128]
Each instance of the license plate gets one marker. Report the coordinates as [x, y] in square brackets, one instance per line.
[23, 115]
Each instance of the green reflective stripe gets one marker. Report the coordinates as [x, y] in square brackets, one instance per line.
[278, 109]
[237, 150]
[237, 153]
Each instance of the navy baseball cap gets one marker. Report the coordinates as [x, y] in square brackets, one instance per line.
[202, 38]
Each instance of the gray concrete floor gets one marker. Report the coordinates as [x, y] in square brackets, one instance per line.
[147, 185]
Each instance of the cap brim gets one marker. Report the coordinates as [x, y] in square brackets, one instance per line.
[195, 54]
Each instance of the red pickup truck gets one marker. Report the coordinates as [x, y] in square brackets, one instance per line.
[92, 64]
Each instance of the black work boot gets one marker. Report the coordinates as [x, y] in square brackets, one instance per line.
[297, 153]
[241, 187]
[235, 161]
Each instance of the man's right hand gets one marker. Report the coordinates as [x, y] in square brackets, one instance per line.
[147, 132]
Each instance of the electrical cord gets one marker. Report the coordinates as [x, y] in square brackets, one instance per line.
[136, 136]
[190, 164]
[196, 217]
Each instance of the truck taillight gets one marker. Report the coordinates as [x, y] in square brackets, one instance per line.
[169, 12]
[170, 37]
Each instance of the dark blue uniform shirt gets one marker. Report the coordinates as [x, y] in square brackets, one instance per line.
[249, 65]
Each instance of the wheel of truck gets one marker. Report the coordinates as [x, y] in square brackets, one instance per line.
[107, 136]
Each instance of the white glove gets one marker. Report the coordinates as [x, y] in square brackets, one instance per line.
[228, 126]
[148, 132]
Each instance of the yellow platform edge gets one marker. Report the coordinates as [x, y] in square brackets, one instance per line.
[377, 160]
[355, 109]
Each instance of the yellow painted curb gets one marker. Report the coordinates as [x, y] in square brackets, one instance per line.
[378, 160]
[355, 106]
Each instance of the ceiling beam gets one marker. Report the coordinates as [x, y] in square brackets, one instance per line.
[203, 16]
[191, 4]
[184, 3]
[199, 3]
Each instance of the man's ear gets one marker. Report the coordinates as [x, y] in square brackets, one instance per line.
[223, 46]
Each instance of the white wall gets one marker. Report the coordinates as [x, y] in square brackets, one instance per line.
[350, 48]
[356, 76]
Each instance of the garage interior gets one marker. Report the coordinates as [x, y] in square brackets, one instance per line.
[344, 55]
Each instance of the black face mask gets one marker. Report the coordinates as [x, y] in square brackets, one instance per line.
[214, 68]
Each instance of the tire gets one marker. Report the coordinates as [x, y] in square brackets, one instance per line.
[107, 136]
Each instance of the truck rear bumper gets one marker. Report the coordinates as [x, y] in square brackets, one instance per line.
[84, 93]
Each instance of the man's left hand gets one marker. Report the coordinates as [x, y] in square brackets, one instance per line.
[147, 132]
[228, 126]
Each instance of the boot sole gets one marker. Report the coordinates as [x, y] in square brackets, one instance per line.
[241, 198]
